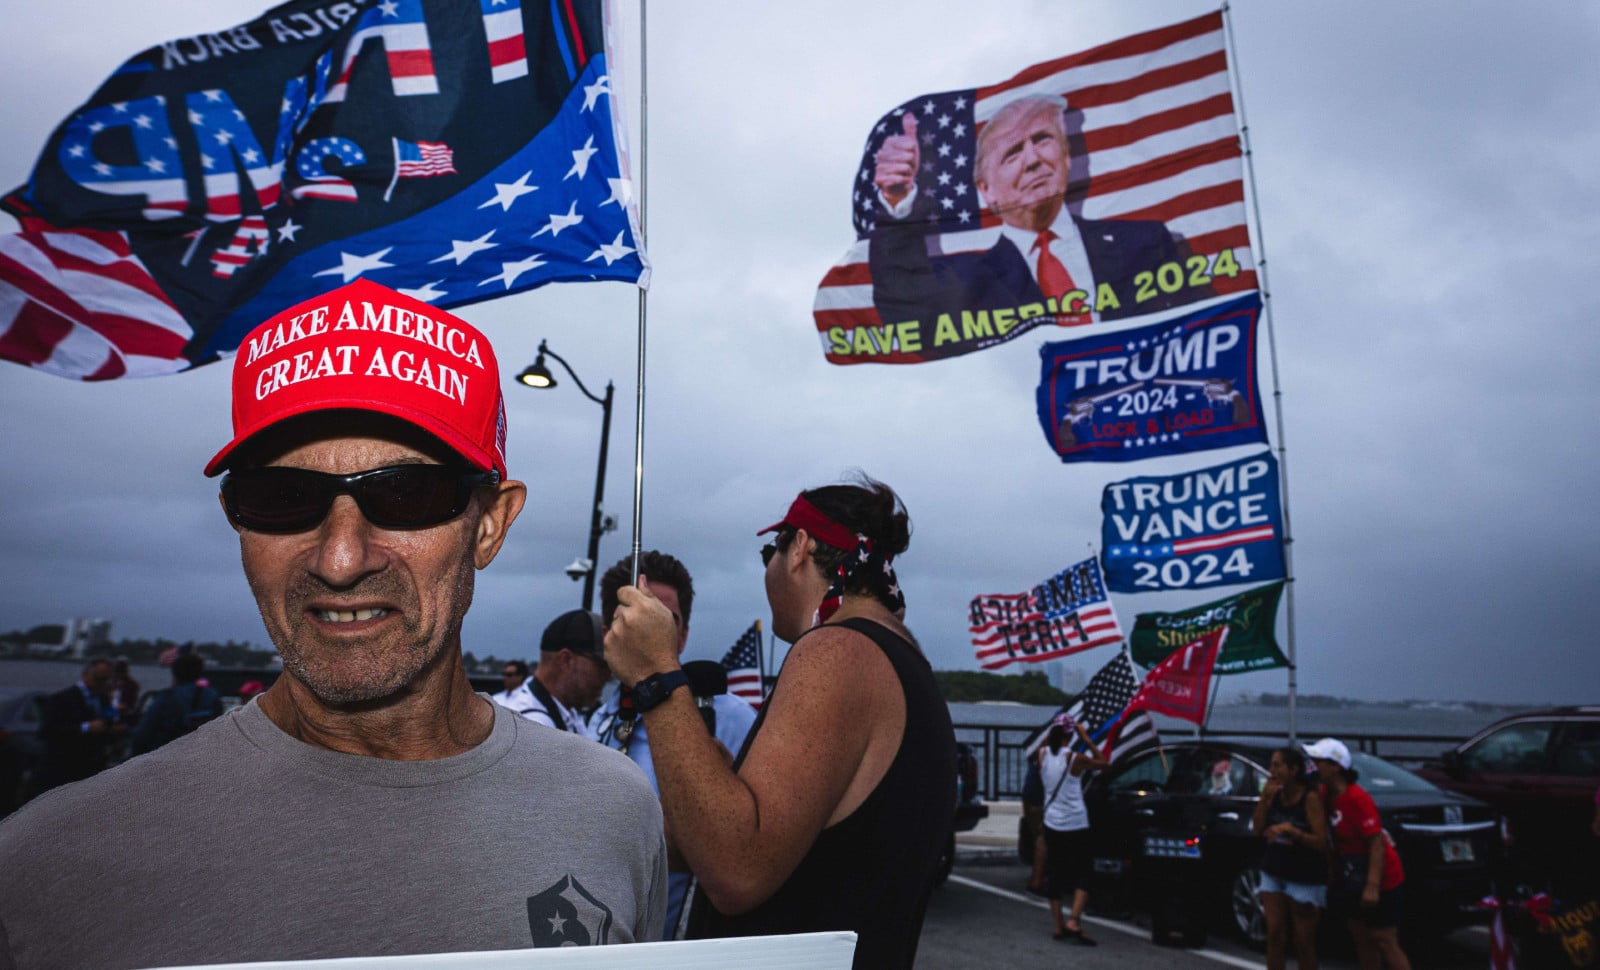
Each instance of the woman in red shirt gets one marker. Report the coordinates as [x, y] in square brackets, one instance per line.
[1369, 877]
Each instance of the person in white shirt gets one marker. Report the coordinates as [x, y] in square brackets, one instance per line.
[515, 674]
[569, 677]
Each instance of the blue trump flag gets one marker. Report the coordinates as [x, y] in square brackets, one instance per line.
[455, 151]
[1215, 526]
[1183, 385]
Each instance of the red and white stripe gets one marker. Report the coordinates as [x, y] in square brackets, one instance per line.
[249, 241]
[745, 684]
[410, 56]
[222, 190]
[1501, 954]
[508, 50]
[79, 304]
[1222, 540]
[437, 159]
[993, 647]
[1163, 145]
[326, 187]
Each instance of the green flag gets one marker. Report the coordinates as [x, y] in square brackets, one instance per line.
[1251, 616]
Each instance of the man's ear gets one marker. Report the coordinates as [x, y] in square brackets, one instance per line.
[495, 520]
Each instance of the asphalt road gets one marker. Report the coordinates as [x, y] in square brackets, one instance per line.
[983, 918]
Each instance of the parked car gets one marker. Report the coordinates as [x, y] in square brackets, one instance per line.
[21, 749]
[1175, 819]
[970, 810]
[1539, 769]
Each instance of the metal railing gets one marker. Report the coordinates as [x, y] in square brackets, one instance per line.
[1000, 750]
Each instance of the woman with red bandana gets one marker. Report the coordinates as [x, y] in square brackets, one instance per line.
[834, 815]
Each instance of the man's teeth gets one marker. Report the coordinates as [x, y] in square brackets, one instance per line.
[348, 616]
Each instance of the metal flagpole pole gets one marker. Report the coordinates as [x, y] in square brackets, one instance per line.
[644, 177]
[761, 663]
[1272, 349]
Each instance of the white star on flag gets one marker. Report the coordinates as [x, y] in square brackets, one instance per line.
[287, 230]
[510, 271]
[461, 250]
[506, 193]
[580, 160]
[350, 266]
[559, 222]
[612, 252]
[592, 92]
[427, 293]
[621, 192]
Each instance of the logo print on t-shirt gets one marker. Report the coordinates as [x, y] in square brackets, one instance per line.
[567, 915]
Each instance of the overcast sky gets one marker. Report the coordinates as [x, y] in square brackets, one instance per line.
[1431, 209]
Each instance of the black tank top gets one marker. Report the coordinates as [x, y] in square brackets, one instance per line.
[873, 871]
[1292, 862]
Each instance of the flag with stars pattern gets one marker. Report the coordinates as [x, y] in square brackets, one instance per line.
[1100, 708]
[1152, 181]
[454, 152]
[743, 664]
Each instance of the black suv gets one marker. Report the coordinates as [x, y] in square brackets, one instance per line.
[1178, 815]
[1540, 770]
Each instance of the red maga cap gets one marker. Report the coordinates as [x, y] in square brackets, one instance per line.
[365, 347]
[804, 515]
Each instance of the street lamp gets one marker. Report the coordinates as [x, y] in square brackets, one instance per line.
[537, 375]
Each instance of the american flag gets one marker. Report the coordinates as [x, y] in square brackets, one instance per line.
[743, 664]
[423, 158]
[1161, 144]
[182, 204]
[1066, 614]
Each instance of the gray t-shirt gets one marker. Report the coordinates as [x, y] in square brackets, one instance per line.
[239, 843]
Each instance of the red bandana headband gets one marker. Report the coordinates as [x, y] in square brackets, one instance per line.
[877, 570]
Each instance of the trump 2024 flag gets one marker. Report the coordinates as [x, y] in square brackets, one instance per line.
[1067, 613]
[1215, 526]
[454, 151]
[1179, 386]
[1102, 186]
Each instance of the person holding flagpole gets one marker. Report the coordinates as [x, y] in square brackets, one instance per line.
[834, 814]
[1069, 855]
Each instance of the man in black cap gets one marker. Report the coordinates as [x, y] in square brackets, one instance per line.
[569, 677]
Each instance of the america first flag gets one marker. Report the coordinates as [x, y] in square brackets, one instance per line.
[1067, 613]
[1153, 140]
[454, 151]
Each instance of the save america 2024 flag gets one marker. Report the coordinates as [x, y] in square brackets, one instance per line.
[1147, 203]
[1067, 613]
[454, 151]
[1216, 526]
[1183, 385]
[1250, 616]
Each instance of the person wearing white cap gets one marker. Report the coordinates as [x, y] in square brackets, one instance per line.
[1369, 878]
[388, 803]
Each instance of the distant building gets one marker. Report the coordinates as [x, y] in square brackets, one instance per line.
[84, 636]
[1066, 678]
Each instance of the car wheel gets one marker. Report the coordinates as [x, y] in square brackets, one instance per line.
[947, 859]
[1244, 905]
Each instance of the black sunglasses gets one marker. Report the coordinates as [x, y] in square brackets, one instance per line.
[282, 500]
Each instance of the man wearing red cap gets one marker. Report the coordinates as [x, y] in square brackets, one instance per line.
[388, 803]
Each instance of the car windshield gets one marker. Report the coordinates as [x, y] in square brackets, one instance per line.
[1378, 775]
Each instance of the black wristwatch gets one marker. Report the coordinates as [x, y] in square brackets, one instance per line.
[656, 688]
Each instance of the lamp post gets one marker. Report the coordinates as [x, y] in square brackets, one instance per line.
[537, 375]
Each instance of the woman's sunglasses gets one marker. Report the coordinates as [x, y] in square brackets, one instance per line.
[282, 500]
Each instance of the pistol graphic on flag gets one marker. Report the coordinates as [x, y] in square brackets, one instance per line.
[1081, 409]
[1218, 391]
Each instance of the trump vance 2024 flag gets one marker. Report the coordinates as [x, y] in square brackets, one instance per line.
[1214, 526]
[1101, 186]
[454, 151]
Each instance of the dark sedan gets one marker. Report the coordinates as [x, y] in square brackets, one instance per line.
[1179, 815]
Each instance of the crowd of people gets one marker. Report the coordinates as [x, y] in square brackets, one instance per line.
[364, 502]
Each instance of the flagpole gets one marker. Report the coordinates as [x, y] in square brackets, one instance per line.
[644, 178]
[395, 179]
[1272, 350]
[761, 664]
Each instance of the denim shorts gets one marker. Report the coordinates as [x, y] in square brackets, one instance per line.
[1301, 892]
